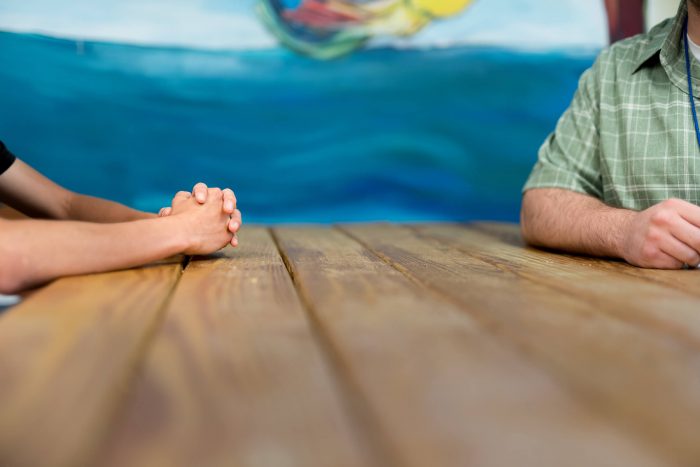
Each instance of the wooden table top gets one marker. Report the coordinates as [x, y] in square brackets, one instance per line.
[368, 345]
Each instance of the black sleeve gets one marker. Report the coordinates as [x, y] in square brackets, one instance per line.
[6, 158]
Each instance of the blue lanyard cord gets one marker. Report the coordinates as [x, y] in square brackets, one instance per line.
[690, 82]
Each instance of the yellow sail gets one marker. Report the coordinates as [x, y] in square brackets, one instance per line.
[440, 8]
[331, 28]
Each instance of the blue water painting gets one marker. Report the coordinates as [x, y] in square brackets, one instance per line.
[384, 134]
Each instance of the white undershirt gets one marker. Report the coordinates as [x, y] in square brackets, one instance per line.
[694, 48]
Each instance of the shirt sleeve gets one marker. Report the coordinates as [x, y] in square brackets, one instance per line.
[570, 157]
[6, 158]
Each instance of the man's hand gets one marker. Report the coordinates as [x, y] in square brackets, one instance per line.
[200, 193]
[206, 226]
[665, 236]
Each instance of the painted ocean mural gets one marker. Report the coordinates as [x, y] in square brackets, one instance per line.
[405, 130]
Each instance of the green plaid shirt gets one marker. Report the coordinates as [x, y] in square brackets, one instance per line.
[628, 137]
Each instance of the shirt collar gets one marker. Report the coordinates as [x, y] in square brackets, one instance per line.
[662, 41]
[665, 45]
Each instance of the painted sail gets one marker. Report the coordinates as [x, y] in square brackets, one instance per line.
[326, 29]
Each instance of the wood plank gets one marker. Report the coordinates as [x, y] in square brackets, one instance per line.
[66, 354]
[235, 376]
[436, 389]
[686, 281]
[649, 304]
[644, 378]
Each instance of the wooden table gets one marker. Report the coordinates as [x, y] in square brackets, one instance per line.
[368, 345]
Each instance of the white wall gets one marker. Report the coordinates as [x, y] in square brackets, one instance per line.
[231, 24]
[659, 10]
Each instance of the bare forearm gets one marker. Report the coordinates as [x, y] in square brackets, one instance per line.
[91, 209]
[36, 196]
[565, 220]
[33, 252]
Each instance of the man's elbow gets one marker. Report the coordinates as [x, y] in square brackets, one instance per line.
[527, 230]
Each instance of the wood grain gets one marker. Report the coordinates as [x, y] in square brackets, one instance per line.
[641, 377]
[235, 376]
[434, 388]
[684, 280]
[653, 305]
[66, 354]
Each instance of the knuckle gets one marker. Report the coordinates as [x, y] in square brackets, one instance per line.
[654, 236]
[649, 252]
[180, 195]
[662, 218]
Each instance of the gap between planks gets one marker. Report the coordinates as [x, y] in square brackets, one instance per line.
[357, 406]
[372, 395]
[493, 325]
[631, 310]
[685, 281]
[439, 294]
[27, 421]
[132, 372]
[298, 376]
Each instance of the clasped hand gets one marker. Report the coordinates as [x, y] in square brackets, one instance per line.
[210, 216]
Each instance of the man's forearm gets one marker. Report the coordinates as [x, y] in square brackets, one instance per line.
[570, 221]
[33, 252]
